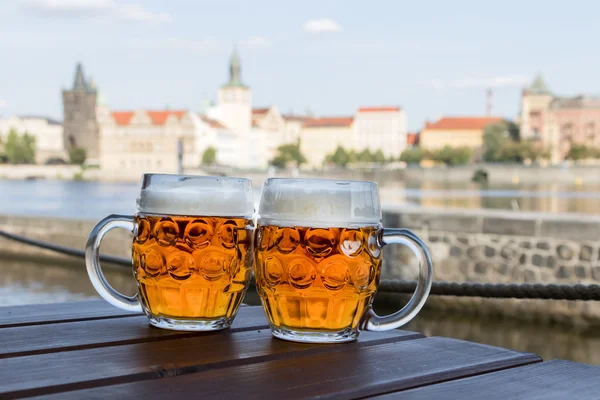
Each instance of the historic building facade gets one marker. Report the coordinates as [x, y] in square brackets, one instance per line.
[80, 122]
[455, 132]
[47, 132]
[559, 122]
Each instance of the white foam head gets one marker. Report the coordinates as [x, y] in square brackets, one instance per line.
[195, 196]
[319, 203]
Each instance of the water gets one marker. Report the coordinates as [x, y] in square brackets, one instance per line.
[26, 282]
[95, 200]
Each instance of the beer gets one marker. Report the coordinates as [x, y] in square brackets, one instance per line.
[317, 279]
[318, 260]
[192, 267]
[192, 251]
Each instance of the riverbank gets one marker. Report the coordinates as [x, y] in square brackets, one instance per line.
[497, 174]
[466, 246]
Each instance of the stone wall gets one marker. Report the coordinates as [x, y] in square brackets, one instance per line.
[503, 247]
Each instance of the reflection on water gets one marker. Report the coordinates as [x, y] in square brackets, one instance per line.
[95, 200]
[26, 282]
[30, 282]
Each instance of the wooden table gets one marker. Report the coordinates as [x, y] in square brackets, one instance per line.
[92, 350]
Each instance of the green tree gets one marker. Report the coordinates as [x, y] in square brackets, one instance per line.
[579, 152]
[412, 156]
[288, 153]
[339, 157]
[378, 157]
[209, 156]
[363, 156]
[452, 155]
[77, 155]
[20, 149]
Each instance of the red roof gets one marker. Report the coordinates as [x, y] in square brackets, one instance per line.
[157, 117]
[379, 109]
[457, 123]
[213, 123]
[328, 122]
[260, 111]
[412, 138]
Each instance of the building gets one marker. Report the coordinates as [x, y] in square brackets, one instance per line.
[455, 132]
[244, 137]
[380, 128]
[559, 122]
[134, 142]
[80, 122]
[47, 132]
[321, 136]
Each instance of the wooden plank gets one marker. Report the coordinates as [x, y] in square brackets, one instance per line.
[60, 312]
[50, 338]
[557, 379]
[348, 373]
[41, 314]
[57, 372]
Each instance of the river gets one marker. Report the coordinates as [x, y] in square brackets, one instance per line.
[94, 200]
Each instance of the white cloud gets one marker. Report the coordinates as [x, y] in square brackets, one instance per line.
[470, 82]
[255, 42]
[176, 44]
[68, 7]
[322, 25]
[128, 12]
[137, 13]
[3, 103]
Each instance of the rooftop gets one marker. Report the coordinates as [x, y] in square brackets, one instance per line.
[462, 123]
[379, 109]
[328, 122]
[157, 117]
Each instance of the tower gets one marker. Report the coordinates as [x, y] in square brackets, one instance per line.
[235, 98]
[80, 124]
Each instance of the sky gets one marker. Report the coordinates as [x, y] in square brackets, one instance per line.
[433, 58]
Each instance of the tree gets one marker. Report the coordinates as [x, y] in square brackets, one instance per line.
[209, 156]
[363, 156]
[339, 157]
[287, 153]
[579, 152]
[412, 156]
[378, 157]
[452, 155]
[77, 155]
[20, 149]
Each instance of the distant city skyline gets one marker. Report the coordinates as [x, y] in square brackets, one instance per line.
[432, 58]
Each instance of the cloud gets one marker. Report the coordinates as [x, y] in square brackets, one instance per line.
[128, 12]
[255, 42]
[176, 44]
[137, 13]
[322, 25]
[478, 83]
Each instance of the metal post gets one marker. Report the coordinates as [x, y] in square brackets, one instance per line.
[180, 156]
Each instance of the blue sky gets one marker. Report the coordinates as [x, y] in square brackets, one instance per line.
[433, 58]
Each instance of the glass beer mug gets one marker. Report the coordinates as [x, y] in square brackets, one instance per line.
[192, 251]
[319, 247]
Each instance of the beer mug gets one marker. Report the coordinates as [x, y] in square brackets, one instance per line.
[319, 246]
[192, 251]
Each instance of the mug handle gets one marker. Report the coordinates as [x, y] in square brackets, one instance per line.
[372, 321]
[92, 262]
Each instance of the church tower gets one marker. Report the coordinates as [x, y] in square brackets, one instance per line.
[80, 124]
[235, 99]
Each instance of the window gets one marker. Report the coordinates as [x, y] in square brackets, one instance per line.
[590, 130]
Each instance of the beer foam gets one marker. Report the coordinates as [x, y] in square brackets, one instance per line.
[195, 195]
[319, 203]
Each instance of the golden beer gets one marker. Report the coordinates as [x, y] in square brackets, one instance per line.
[192, 267]
[192, 252]
[317, 279]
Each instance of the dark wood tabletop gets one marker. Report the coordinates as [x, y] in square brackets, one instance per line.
[91, 350]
